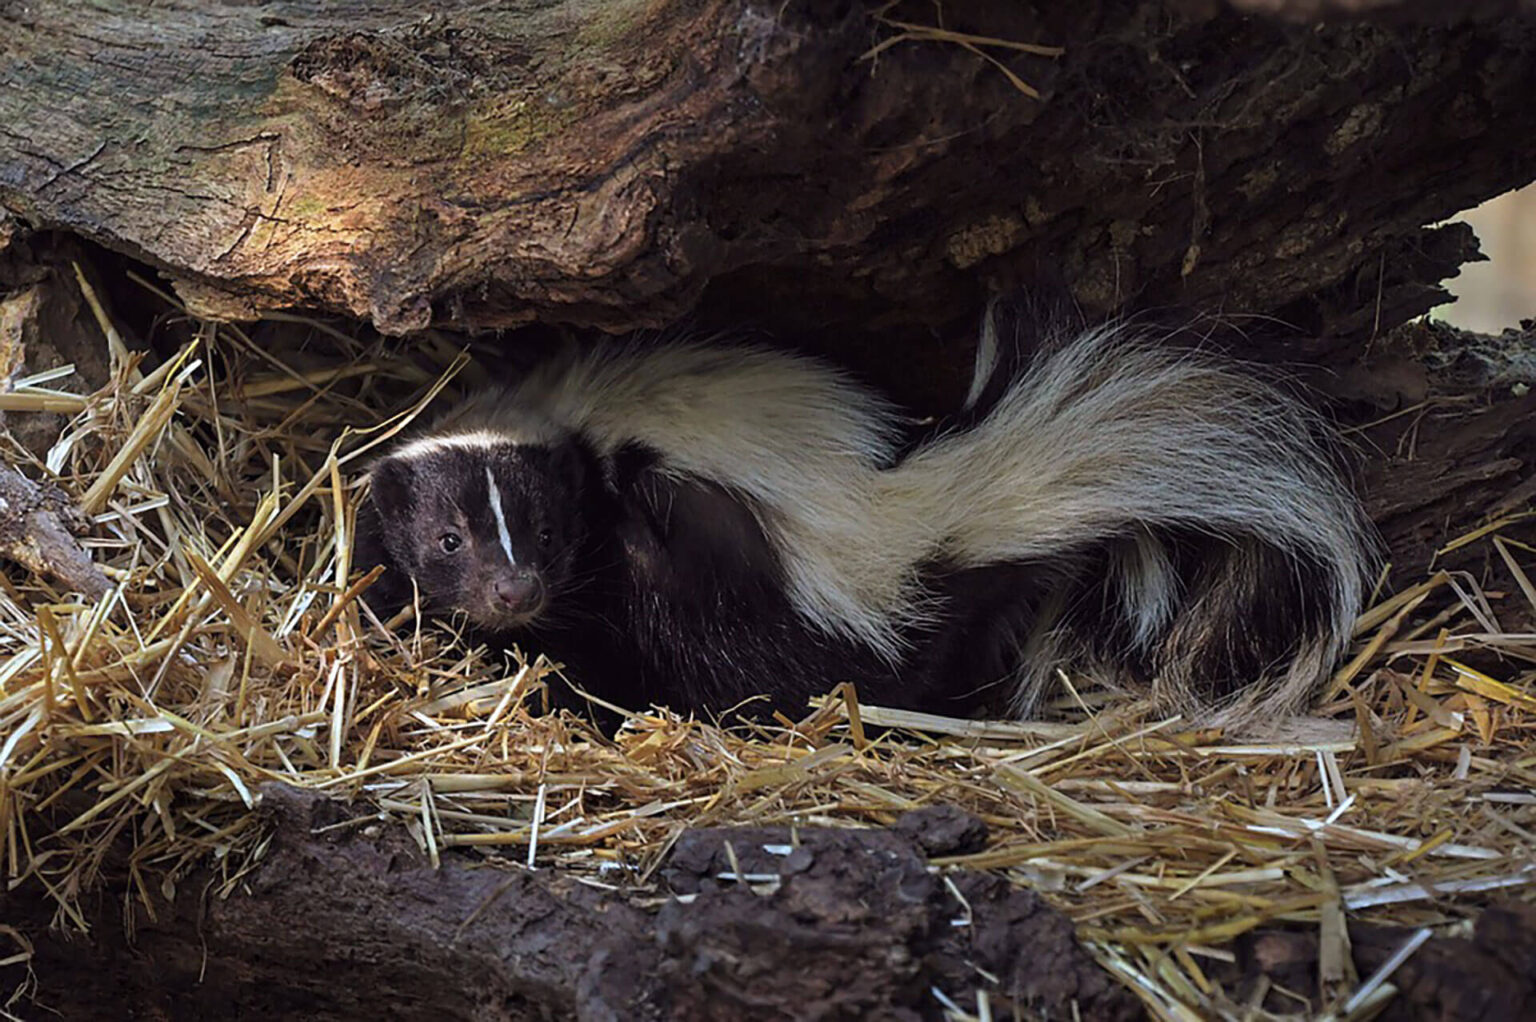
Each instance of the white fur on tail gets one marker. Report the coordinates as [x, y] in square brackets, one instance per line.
[1105, 438]
[797, 436]
[1112, 435]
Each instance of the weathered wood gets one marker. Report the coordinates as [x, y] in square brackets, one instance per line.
[486, 165]
[38, 523]
[858, 928]
[37, 530]
[1488, 975]
[1450, 444]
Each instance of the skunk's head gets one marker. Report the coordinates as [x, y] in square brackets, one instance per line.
[483, 525]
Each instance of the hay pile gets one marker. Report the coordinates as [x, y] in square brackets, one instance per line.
[233, 651]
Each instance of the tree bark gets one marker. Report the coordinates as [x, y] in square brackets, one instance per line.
[1489, 975]
[484, 166]
[856, 927]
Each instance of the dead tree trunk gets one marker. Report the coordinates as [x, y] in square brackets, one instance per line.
[858, 927]
[476, 166]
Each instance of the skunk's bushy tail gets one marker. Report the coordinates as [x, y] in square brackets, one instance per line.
[1208, 542]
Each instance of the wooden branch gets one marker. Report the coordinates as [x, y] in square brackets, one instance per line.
[37, 530]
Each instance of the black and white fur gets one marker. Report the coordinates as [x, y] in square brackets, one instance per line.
[698, 524]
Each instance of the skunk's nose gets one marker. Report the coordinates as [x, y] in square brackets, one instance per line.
[520, 593]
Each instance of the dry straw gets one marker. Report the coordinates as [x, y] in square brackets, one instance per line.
[233, 652]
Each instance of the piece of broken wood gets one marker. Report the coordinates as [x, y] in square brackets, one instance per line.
[38, 526]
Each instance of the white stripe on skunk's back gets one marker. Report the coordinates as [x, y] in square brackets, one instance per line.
[800, 438]
[1103, 436]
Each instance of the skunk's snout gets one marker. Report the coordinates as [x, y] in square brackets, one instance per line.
[520, 594]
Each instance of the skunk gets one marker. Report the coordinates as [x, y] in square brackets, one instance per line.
[701, 524]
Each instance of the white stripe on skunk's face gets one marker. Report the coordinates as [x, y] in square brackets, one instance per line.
[492, 531]
[500, 514]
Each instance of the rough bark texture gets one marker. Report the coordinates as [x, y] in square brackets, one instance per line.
[857, 928]
[485, 165]
[38, 526]
[1454, 447]
[1490, 975]
[346, 921]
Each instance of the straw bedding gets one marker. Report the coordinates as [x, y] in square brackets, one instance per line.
[232, 650]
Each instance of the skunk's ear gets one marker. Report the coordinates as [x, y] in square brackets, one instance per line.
[624, 470]
[390, 487]
[565, 463]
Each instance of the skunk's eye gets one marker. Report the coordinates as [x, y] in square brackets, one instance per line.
[450, 541]
[545, 538]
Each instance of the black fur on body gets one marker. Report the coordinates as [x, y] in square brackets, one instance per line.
[655, 590]
[658, 581]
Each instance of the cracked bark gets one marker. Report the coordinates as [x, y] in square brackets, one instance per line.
[857, 928]
[614, 164]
